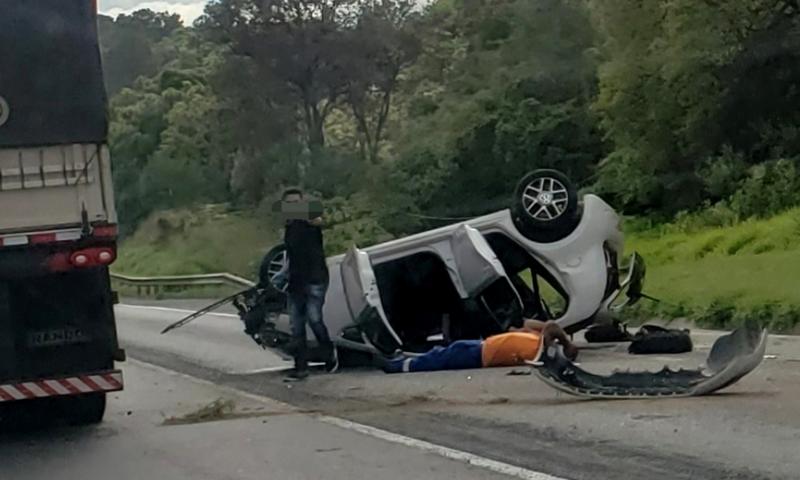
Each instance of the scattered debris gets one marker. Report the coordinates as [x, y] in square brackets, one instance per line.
[217, 410]
[732, 357]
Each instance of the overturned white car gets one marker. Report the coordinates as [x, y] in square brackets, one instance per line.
[468, 280]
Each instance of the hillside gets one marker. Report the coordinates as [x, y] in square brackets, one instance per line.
[208, 240]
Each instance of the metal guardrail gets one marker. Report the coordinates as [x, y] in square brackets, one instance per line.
[153, 286]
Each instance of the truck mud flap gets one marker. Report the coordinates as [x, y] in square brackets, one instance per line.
[732, 357]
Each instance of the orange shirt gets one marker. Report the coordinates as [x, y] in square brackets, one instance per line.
[510, 349]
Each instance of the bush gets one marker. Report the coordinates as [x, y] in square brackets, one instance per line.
[718, 315]
[770, 188]
[722, 315]
[723, 173]
[351, 221]
[709, 216]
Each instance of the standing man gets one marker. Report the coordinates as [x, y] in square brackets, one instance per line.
[308, 281]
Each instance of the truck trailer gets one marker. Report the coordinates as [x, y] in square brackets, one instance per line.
[58, 225]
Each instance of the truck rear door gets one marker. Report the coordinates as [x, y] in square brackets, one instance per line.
[54, 168]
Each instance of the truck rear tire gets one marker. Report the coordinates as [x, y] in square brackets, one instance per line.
[85, 409]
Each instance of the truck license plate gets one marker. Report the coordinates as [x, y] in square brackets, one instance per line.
[60, 336]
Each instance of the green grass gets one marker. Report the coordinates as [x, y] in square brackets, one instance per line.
[741, 280]
[725, 276]
[664, 245]
[187, 242]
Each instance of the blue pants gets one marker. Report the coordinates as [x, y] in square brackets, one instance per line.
[460, 355]
[305, 308]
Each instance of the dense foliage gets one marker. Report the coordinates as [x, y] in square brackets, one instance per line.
[394, 114]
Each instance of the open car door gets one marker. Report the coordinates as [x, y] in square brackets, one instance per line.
[484, 279]
[476, 263]
[364, 302]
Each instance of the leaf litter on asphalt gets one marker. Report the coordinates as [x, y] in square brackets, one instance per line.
[219, 409]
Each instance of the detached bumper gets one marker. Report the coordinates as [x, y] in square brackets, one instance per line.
[109, 381]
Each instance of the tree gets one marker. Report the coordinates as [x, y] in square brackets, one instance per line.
[383, 45]
[127, 45]
[169, 146]
[682, 80]
[507, 91]
[295, 42]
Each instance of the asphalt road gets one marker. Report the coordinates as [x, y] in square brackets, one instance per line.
[495, 421]
[151, 433]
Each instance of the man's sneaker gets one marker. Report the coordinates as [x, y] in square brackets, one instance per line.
[296, 376]
[332, 365]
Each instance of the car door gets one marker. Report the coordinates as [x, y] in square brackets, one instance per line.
[483, 277]
[475, 262]
[364, 301]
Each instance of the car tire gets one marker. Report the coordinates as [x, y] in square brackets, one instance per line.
[271, 265]
[545, 206]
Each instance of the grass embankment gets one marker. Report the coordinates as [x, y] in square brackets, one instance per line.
[725, 276]
[185, 242]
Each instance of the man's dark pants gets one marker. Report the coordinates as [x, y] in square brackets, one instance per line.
[305, 308]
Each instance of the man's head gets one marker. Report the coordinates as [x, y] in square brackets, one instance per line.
[295, 206]
[292, 195]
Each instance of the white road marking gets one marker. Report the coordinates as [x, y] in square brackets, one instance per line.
[175, 310]
[278, 368]
[446, 452]
[231, 390]
[428, 447]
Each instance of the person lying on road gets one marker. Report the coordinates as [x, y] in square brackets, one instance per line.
[504, 350]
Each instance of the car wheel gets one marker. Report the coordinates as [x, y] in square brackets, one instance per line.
[545, 206]
[275, 267]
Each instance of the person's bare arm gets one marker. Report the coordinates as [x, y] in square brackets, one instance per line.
[554, 333]
[317, 222]
[530, 325]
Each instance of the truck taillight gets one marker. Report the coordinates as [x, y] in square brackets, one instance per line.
[93, 257]
[105, 231]
[39, 238]
[105, 257]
